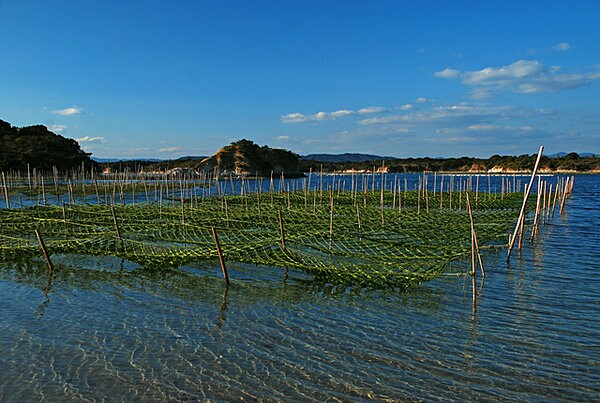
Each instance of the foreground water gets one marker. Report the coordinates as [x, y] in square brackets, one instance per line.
[108, 330]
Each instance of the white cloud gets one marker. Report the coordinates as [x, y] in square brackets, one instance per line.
[561, 47]
[421, 100]
[522, 76]
[88, 139]
[282, 138]
[371, 109]
[447, 73]
[321, 116]
[381, 120]
[170, 150]
[58, 128]
[341, 113]
[483, 127]
[68, 111]
[461, 115]
[293, 118]
[521, 69]
[405, 107]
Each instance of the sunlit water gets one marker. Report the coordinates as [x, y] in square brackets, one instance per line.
[108, 330]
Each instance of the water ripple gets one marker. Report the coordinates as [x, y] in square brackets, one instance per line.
[107, 330]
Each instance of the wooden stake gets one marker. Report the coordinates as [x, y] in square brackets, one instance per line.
[536, 220]
[5, 191]
[220, 253]
[44, 251]
[522, 213]
[117, 229]
[331, 224]
[281, 230]
[474, 237]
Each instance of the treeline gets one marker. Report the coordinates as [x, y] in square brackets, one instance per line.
[149, 165]
[38, 148]
[570, 162]
[525, 162]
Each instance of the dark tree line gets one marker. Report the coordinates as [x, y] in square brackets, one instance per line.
[39, 148]
[523, 162]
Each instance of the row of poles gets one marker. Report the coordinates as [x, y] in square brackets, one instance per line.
[166, 185]
[547, 197]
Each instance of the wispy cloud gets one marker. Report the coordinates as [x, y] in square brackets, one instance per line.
[451, 113]
[58, 128]
[321, 116]
[447, 73]
[483, 127]
[341, 113]
[382, 119]
[88, 139]
[294, 118]
[170, 150]
[561, 47]
[68, 111]
[282, 138]
[371, 109]
[522, 76]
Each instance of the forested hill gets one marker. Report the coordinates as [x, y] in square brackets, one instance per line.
[243, 157]
[39, 148]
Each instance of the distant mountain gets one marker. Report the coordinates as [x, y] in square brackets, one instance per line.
[346, 157]
[191, 157]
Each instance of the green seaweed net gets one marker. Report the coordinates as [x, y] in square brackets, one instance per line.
[373, 240]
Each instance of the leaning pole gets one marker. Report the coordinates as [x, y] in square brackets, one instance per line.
[522, 213]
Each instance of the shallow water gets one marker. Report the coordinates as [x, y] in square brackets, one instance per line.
[107, 330]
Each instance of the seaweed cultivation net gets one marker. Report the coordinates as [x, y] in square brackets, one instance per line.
[368, 240]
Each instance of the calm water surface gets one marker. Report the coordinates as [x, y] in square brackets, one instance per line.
[107, 330]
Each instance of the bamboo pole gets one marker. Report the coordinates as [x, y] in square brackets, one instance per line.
[426, 193]
[116, 222]
[565, 194]
[521, 230]
[43, 191]
[538, 204]
[220, 253]
[44, 251]
[281, 230]
[557, 191]
[442, 193]
[331, 224]
[522, 212]
[474, 236]
[5, 191]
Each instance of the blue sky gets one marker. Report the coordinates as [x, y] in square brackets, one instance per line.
[131, 79]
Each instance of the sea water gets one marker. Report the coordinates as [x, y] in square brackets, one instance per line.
[106, 329]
